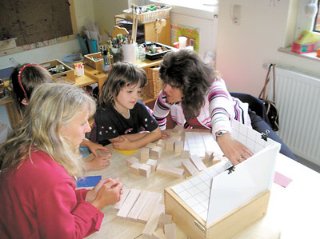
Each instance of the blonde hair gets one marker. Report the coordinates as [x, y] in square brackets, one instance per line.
[51, 106]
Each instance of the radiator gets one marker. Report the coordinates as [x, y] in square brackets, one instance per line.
[298, 101]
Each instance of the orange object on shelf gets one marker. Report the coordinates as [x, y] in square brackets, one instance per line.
[318, 52]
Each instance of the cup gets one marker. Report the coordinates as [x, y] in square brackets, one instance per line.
[129, 53]
[182, 42]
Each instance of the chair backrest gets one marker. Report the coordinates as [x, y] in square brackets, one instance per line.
[255, 104]
[119, 30]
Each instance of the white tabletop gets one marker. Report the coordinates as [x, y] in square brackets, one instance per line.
[293, 211]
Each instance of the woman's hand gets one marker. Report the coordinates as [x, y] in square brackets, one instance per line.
[235, 151]
[107, 192]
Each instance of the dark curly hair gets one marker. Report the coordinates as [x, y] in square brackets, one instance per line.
[185, 70]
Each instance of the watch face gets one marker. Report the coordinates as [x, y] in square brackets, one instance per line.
[221, 132]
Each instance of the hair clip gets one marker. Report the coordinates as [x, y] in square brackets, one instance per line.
[264, 135]
[20, 79]
[231, 169]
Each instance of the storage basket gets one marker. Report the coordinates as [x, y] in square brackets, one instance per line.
[59, 70]
[150, 16]
[94, 60]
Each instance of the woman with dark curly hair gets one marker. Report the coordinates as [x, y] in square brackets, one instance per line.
[197, 97]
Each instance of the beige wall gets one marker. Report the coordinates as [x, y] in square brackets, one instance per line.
[105, 10]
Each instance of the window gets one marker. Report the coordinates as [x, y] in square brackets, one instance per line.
[316, 25]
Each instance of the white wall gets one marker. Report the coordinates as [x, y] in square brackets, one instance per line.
[243, 49]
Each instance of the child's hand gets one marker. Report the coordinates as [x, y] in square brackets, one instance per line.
[122, 143]
[98, 162]
[164, 134]
[94, 147]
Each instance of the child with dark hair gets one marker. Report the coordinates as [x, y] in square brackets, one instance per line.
[121, 118]
[25, 79]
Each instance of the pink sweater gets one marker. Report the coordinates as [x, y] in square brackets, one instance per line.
[217, 113]
[39, 200]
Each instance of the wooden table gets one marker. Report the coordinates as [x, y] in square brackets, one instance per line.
[12, 111]
[293, 212]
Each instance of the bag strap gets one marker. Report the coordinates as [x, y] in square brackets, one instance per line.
[274, 83]
[263, 93]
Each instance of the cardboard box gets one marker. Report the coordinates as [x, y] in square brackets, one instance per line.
[59, 70]
[94, 60]
[224, 199]
[196, 228]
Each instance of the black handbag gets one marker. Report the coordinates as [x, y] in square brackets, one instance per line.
[271, 114]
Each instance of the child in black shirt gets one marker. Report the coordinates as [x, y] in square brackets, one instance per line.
[121, 118]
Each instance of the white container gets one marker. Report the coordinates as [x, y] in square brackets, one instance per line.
[182, 42]
[129, 52]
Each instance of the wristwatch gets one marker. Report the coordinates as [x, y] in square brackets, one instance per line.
[221, 132]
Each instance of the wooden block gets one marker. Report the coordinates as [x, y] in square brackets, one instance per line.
[161, 143]
[189, 167]
[135, 168]
[125, 193]
[153, 199]
[172, 171]
[185, 153]
[198, 162]
[176, 138]
[178, 147]
[150, 145]
[145, 170]
[132, 160]
[158, 234]
[152, 223]
[139, 205]
[170, 231]
[128, 203]
[170, 145]
[178, 129]
[144, 154]
[153, 163]
[155, 152]
[164, 219]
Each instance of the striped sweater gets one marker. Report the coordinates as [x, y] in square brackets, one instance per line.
[217, 112]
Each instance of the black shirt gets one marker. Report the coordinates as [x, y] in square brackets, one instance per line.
[110, 123]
